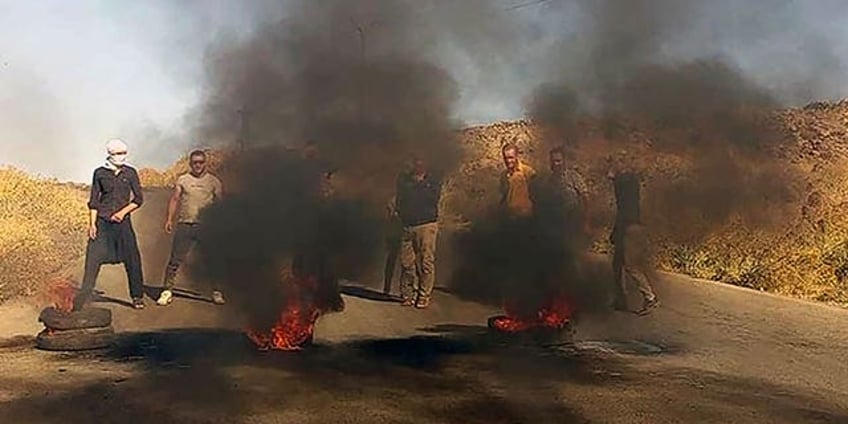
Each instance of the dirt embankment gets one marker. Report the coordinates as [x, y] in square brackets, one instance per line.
[786, 235]
[801, 249]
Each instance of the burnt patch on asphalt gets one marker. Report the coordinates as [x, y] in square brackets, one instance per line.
[192, 374]
[458, 375]
[418, 352]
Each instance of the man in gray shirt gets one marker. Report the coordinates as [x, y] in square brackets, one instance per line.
[193, 192]
[565, 198]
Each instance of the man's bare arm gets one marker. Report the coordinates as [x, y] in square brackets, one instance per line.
[504, 189]
[126, 210]
[219, 190]
[583, 192]
[173, 202]
[92, 224]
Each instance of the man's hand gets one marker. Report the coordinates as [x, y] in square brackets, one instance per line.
[92, 231]
[117, 217]
[169, 227]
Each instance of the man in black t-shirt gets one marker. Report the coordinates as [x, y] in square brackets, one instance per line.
[418, 194]
[115, 194]
[631, 255]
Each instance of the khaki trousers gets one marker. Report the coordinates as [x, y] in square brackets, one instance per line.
[632, 258]
[418, 261]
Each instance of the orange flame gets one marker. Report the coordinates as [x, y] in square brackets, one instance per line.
[296, 323]
[556, 314]
[293, 329]
[61, 293]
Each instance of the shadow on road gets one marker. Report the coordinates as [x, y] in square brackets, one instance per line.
[368, 294]
[458, 375]
[152, 293]
[102, 298]
[219, 376]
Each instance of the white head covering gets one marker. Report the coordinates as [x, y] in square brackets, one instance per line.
[117, 150]
[116, 145]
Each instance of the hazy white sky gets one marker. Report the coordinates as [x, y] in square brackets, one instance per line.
[74, 73]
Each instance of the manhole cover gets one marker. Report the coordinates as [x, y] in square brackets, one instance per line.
[627, 347]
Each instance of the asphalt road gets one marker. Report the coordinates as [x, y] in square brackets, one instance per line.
[712, 353]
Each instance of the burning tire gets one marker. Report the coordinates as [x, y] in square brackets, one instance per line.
[78, 339]
[86, 318]
[533, 335]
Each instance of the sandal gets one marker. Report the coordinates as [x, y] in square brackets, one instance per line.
[138, 303]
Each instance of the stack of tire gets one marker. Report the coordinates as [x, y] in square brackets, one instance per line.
[90, 328]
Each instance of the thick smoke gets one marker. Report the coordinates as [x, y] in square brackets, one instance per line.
[277, 222]
[366, 82]
[643, 71]
[361, 81]
[524, 264]
[661, 70]
[356, 81]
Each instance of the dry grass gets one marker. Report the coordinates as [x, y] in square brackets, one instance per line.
[154, 178]
[42, 229]
[804, 255]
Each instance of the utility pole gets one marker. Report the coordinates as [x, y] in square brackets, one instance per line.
[360, 31]
[242, 131]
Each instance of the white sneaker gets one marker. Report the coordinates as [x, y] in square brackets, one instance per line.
[218, 298]
[165, 298]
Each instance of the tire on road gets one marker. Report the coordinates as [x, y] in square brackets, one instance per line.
[537, 336]
[72, 340]
[86, 318]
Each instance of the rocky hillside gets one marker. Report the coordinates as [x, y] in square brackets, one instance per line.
[788, 234]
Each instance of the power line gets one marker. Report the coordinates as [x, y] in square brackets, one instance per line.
[526, 4]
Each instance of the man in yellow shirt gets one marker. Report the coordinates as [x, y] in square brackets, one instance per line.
[516, 184]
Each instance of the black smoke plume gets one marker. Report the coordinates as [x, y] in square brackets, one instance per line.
[523, 264]
[697, 104]
[277, 216]
[360, 79]
[354, 81]
[526, 263]
[647, 74]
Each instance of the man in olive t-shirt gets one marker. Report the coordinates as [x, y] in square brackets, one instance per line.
[193, 192]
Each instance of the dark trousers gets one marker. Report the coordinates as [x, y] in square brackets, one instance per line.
[115, 243]
[185, 237]
[393, 240]
[312, 260]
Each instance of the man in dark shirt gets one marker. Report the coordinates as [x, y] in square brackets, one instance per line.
[312, 257]
[562, 199]
[318, 172]
[393, 237]
[631, 255]
[115, 194]
[417, 198]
